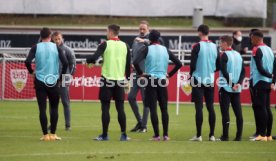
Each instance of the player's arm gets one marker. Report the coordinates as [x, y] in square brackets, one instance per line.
[146, 42]
[134, 45]
[223, 68]
[177, 63]
[139, 58]
[63, 60]
[194, 56]
[71, 61]
[258, 59]
[99, 52]
[29, 59]
[136, 48]
[274, 72]
[218, 61]
[242, 75]
[128, 63]
[161, 41]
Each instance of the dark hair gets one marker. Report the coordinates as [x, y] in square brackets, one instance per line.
[253, 30]
[227, 39]
[45, 32]
[258, 33]
[56, 33]
[204, 29]
[114, 28]
[154, 35]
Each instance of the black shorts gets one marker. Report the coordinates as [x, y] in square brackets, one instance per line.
[39, 85]
[199, 92]
[44, 91]
[261, 97]
[225, 98]
[111, 89]
[157, 92]
[261, 94]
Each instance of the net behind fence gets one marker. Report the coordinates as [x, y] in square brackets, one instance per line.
[16, 83]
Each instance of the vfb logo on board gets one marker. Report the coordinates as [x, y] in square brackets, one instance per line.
[19, 78]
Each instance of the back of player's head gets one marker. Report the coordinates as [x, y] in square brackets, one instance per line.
[253, 30]
[45, 32]
[227, 39]
[115, 29]
[204, 29]
[258, 34]
[154, 35]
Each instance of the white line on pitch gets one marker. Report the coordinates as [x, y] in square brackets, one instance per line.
[10, 136]
[134, 153]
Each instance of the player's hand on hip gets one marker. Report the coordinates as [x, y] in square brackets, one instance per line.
[236, 87]
[143, 75]
[33, 75]
[189, 77]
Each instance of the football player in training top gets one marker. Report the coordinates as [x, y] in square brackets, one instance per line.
[256, 133]
[262, 67]
[232, 73]
[46, 74]
[204, 63]
[156, 65]
[116, 65]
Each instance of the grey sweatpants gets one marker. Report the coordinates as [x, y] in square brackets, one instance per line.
[65, 99]
[134, 106]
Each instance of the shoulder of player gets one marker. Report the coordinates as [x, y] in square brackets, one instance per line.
[102, 45]
[163, 47]
[62, 47]
[34, 47]
[68, 49]
[236, 52]
[223, 55]
[127, 46]
[195, 45]
[255, 50]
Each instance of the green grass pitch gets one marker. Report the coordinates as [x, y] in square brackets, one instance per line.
[20, 132]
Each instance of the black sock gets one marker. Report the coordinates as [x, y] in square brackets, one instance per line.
[121, 115]
[212, 118]
[105, 116]
[199, 117]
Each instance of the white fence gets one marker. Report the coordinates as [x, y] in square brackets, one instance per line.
[147, 8]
